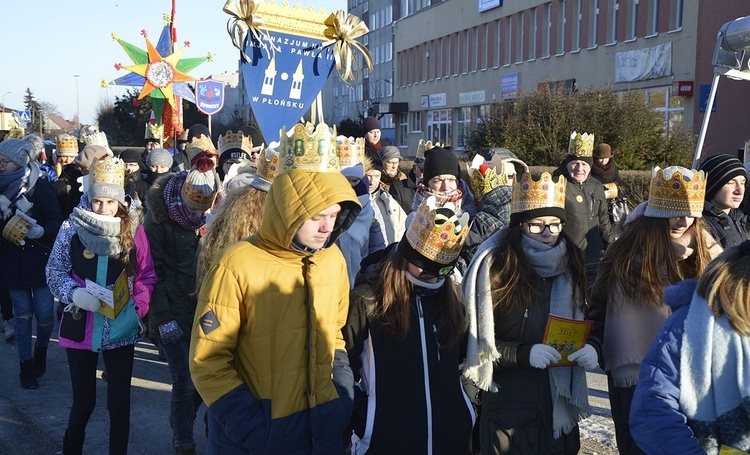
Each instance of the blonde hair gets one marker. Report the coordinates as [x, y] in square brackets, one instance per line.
[725, 285]
[237, 217]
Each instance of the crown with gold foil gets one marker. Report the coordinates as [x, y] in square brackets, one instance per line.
[483, 177]
[107, 179]
[424, 147]
[154, 131]
[435, 237]
[269, 167]
[200, 144]
[351, 151]
[309, 148]
[581, 144]
[676, 192]
[231, 140]
[67, 145]
[537, 197]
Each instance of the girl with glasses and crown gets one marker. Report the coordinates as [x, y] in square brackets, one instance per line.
[516, 279]
[663, 243]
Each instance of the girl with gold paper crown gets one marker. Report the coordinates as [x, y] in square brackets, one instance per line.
[404, 332]
[517, 278]
[98, 247]
[664, 242]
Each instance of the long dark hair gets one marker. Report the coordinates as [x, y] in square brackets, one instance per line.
[514, 281]
[394, 294]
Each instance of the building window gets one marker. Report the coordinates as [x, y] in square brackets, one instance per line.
[675, 15]
[439, 126]
[483, 41]
[593, 23]
[445, 55]
[498, 43]
[490, 45]
[652, 24]
[614, 10]
[455, 54]
[671, 107]
[508, 41]
[468, 51]
[561, 24]
[533, 30]
[520, 28]
[403, 127]
[546, 29]
[632, 32]
[463, 125]
[415, 122]
[577, 19]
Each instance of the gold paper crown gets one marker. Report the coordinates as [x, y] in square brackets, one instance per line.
[200, 144]
[529, 194]
[437, 233]
[483, 183]
[424, 147]
[268, 163]
[309, 149]
[154, 131]
[351, 151]
[67, 145]
[97, 138]
[231, 140]
[581, 144]
[107, 170]
[675, 192]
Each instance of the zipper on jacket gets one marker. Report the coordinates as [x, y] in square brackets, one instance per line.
[523, 322]
[437, 342]
[428, 395]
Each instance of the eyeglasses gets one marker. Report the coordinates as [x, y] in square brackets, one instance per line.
[4, 163]
[538, 228]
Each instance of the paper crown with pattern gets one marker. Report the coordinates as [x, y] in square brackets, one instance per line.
[95, 137]
[435, 237]
[231, 140]
[200, 144]
[269, 167]
[351, 151]
[424, 147]
[676, 191]
[309, 148]
[581, 144]
[107, 179]
[533, 198]
[67, 145]
[483, 177]
[154, 132]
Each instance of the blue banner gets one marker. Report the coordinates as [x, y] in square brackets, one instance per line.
[281, 84]
[209, 96]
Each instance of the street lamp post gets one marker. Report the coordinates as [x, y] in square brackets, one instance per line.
[78, 105]
[3, 113]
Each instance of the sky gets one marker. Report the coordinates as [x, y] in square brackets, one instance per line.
[48, 42]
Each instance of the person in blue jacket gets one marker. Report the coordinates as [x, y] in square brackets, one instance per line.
[693, 396]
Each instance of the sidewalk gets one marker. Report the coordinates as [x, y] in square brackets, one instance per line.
[32, 422]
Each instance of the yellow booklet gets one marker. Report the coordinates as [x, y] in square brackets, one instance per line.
[113, 301]
[726, 450]
[565, 335]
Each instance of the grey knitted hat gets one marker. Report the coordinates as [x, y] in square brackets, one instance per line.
[159, 157]
[17, 151]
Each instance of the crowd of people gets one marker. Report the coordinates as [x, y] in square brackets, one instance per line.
[317, 297]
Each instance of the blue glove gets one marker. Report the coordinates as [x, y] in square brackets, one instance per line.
[170, 332]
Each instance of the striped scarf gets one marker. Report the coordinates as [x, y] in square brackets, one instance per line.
[178, 211]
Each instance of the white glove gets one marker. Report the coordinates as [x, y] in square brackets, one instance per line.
[85, 301]
[35, 232]
[542, 355]
[585, 357]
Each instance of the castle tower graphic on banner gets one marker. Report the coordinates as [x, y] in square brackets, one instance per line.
[296, 91]
[269, 78]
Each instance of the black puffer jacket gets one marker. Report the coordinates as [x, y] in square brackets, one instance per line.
[727, 229]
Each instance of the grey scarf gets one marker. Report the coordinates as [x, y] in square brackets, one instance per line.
[98, 233]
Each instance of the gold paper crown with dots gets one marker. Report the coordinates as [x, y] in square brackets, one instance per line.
[530, 194]
[268, 163]
[437, 233]
[675, 192]
[154, 131]
[67, 145]
[581, 144]
[200, 144]
[424, 147]
[231, 140]
[483, 183]
[107, 170]
[351, 151]
[309, 148]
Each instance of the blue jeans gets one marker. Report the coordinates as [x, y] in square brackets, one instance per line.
[185, 400]
[37, 302]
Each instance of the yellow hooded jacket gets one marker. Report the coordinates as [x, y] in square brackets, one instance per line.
[269, 320]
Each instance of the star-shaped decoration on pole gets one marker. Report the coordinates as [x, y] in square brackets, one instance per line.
[160, 72]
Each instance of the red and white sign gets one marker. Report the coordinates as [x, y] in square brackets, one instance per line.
[682, 88]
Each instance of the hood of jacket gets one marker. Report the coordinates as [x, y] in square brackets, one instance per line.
[297, 196]
[156, 208]
[680, 294]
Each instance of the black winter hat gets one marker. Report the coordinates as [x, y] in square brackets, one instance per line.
[370, 123]
[198, 129]
[131, 156]
[440, 161]
[719, 170]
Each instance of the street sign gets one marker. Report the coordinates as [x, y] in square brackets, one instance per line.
[25, 116]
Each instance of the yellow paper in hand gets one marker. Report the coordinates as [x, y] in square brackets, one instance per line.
[17, 227]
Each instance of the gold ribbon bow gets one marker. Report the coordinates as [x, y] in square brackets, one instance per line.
[342, 32]
[245, 18]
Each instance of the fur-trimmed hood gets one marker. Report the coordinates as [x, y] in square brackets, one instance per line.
[155, 205]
